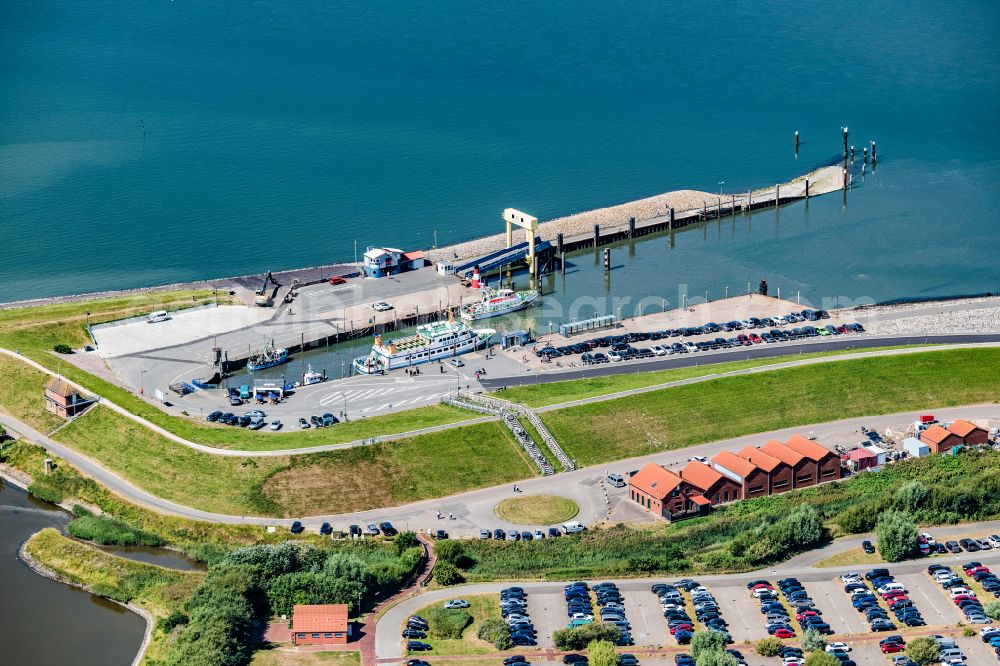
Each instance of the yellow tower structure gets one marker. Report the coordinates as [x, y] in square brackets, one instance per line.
[514, 218]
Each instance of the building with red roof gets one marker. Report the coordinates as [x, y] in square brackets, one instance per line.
[754, 481]
[804, 472]
[320, 624]
[971, 434]
[827, 462]
[780, 476]
[714, 485]
[665, 494]
[940, 440]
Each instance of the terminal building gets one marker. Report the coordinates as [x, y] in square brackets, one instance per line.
[384, 261]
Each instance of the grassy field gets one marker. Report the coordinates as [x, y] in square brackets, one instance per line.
[480, 607]
[734, 406]
[849, 558]
[287, 658]
[21, 394]
[159, 591]
[542, 395]
[332, 482]
[537, 509]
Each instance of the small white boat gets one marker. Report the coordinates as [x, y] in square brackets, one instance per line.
[498, 302]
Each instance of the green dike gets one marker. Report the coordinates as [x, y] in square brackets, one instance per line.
[161, 592]
[554, 393]
[740, 405]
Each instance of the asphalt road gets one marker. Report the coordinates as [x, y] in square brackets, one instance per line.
[474, 510]
[858, 342]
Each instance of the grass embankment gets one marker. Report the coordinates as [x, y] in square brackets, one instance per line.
[552, 393]
[35, 330]
[849, 558]
[289, 658]
[752, 533]
[159, 591]
[537, 509]
[735, 406]
[443, 622]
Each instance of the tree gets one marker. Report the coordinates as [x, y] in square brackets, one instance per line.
[405, 541]
[707, 641]
[911, 495]
[602, 653]
[495, 631]
[62, 349]
[768, 647]
[992, 609]
[715, 659]
[578, 638]
[813, 641]
[447, 574]
[897, 535]
[821, 659]
[923, 650]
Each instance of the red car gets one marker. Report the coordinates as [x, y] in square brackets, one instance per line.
[681, 627]
[784, 633]
[805, 614]
[975, 570]
[889, 648]
[754, 338]
[336, 279]
[964, 597]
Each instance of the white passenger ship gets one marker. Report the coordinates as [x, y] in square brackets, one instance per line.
[498, 302]
[432, 342]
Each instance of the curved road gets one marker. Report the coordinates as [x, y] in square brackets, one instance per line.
[475, 509]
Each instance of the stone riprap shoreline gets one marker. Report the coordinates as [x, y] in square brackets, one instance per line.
[616, 218]
[973, 315]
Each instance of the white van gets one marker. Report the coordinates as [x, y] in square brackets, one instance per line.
[616, 480]
[951, 653]
[572, 527]
[159, 315]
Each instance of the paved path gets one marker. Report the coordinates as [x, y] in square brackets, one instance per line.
[475, 509]
[388, 645]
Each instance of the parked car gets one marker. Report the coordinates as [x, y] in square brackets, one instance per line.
[303, 423]
[214, 416]
[297, 527]
[325, 529]
[456, 603]
[381, 306]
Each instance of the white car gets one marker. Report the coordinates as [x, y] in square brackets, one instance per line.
[994, 540]
[581, 616]
[851, 576]
[780, 321]
[614, 356]
[456, 603]
[659, 350]
[457, 362]
[838, 647]
[928, 538]
[746, 323]
[957, 591]
[703, 460]
[539, 534]
[988, 631]
[381, 306]
[276, 424]
[690, 346]
[983, 544]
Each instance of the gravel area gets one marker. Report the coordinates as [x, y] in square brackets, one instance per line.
[972, 315]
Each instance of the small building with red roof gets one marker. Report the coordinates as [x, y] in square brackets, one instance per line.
[803, 469]
[827, 462]
[780, 476]
[663, 493]
[715, 486]
[971, 434]
[320, 624]
[754, 481]
[939, 439]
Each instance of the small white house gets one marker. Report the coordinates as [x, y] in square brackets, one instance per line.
[915, 448]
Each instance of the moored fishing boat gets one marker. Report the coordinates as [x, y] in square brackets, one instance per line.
[266, 357]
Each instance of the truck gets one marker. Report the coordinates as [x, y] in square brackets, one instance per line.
[572, 527]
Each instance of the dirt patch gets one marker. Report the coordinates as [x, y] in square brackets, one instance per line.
[322, 487]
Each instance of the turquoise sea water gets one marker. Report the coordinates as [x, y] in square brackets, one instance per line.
[150, 141]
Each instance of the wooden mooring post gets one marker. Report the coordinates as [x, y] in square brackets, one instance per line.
[670, 221]
[597, 235]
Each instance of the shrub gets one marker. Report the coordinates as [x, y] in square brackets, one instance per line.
[821, 659]
[602, 653]
[968, 632]
[897, 535]
[715, 659]
[110, 531]
[46, 492]
[452, 552]
[405, 541]
[707, 641]
[992, 609]
[923, 650]
[813, 641]
[175, 619]
[910, 496]
[62, 349]
[579, 638]
[444, 623]
[80, 511]
[496, 631]
[768, 647]
[447, 574]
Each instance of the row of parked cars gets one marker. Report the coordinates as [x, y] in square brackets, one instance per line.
[893, 595]
[959, 592]
[254, 419]
[611, 608]
[514, 610]
[513, 535]
[991, 636]
[621, 348]
[354, 531]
